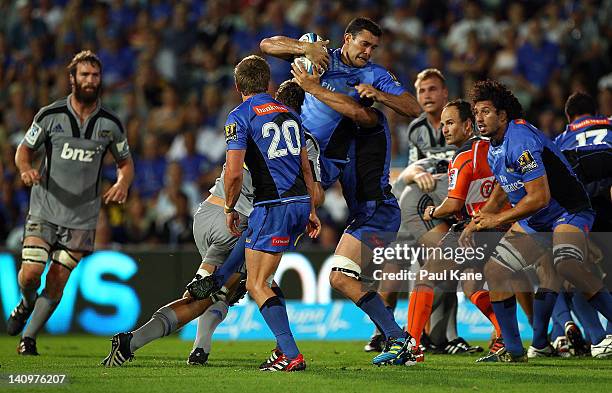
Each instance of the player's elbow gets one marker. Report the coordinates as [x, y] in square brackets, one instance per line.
[23, 154]
[266, 45]
[540, 201]
[318, 195]
[411, 105]
[232, 176]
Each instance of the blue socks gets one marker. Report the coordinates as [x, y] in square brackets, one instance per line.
[505, 311]
[232, 264]
[602, 302]
[275, 315]
[372, 304]
[543, 304]
[589, 319]
[561, 314]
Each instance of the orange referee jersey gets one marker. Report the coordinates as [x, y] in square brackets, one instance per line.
[469, 177]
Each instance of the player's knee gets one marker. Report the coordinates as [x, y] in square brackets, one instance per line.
[567, 268]
[29, 278]
[255, 287]
[337, 280]
[343, 270]
[497, 274]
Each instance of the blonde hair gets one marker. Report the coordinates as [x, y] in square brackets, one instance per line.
[429, 73]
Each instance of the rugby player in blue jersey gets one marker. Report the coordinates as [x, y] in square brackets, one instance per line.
[355, 149]
[267, 136]
[587, 144]
[546, 196]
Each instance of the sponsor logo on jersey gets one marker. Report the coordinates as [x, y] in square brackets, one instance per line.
[266, 109]
[280, 240]
[590, 122]
[230, 133]
[526, 162]
[33, 133]
[76, 154]
[452, 178]
[517, 185]
[328, 86]
[487, 188]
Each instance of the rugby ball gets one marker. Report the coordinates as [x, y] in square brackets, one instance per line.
[302, 60]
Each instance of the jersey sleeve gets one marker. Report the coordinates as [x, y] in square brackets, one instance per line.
[36, 134]
[312, 147]
[428, 164]
[460, 176]
[387, 82]
[526, 156]
[236, 133]
[119, 147]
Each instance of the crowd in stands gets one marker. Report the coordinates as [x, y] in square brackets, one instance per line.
[167, 73]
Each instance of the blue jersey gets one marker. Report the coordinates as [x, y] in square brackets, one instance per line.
[332, 130]
[526, 154]
[366, 176]
[272, 136]
[587, 133]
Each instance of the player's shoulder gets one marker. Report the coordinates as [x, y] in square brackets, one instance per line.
[382, 72]
[523, 131]
[419, 121]
[463, 154]
[521, 126]
[108, 114]
[58, 106]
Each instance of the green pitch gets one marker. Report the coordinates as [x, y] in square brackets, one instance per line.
[332, 367]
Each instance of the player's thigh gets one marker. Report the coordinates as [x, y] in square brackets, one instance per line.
[433, 236]
[517, 250]
[34, 257]
[39, 236]
[413, 203]
[352, 248]
[373, 224]
[260, 265]
[212, 238]
[569, 237]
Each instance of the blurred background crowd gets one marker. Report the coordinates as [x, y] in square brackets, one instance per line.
[167, 72]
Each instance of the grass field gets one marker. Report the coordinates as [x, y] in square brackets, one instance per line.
[332, 367]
